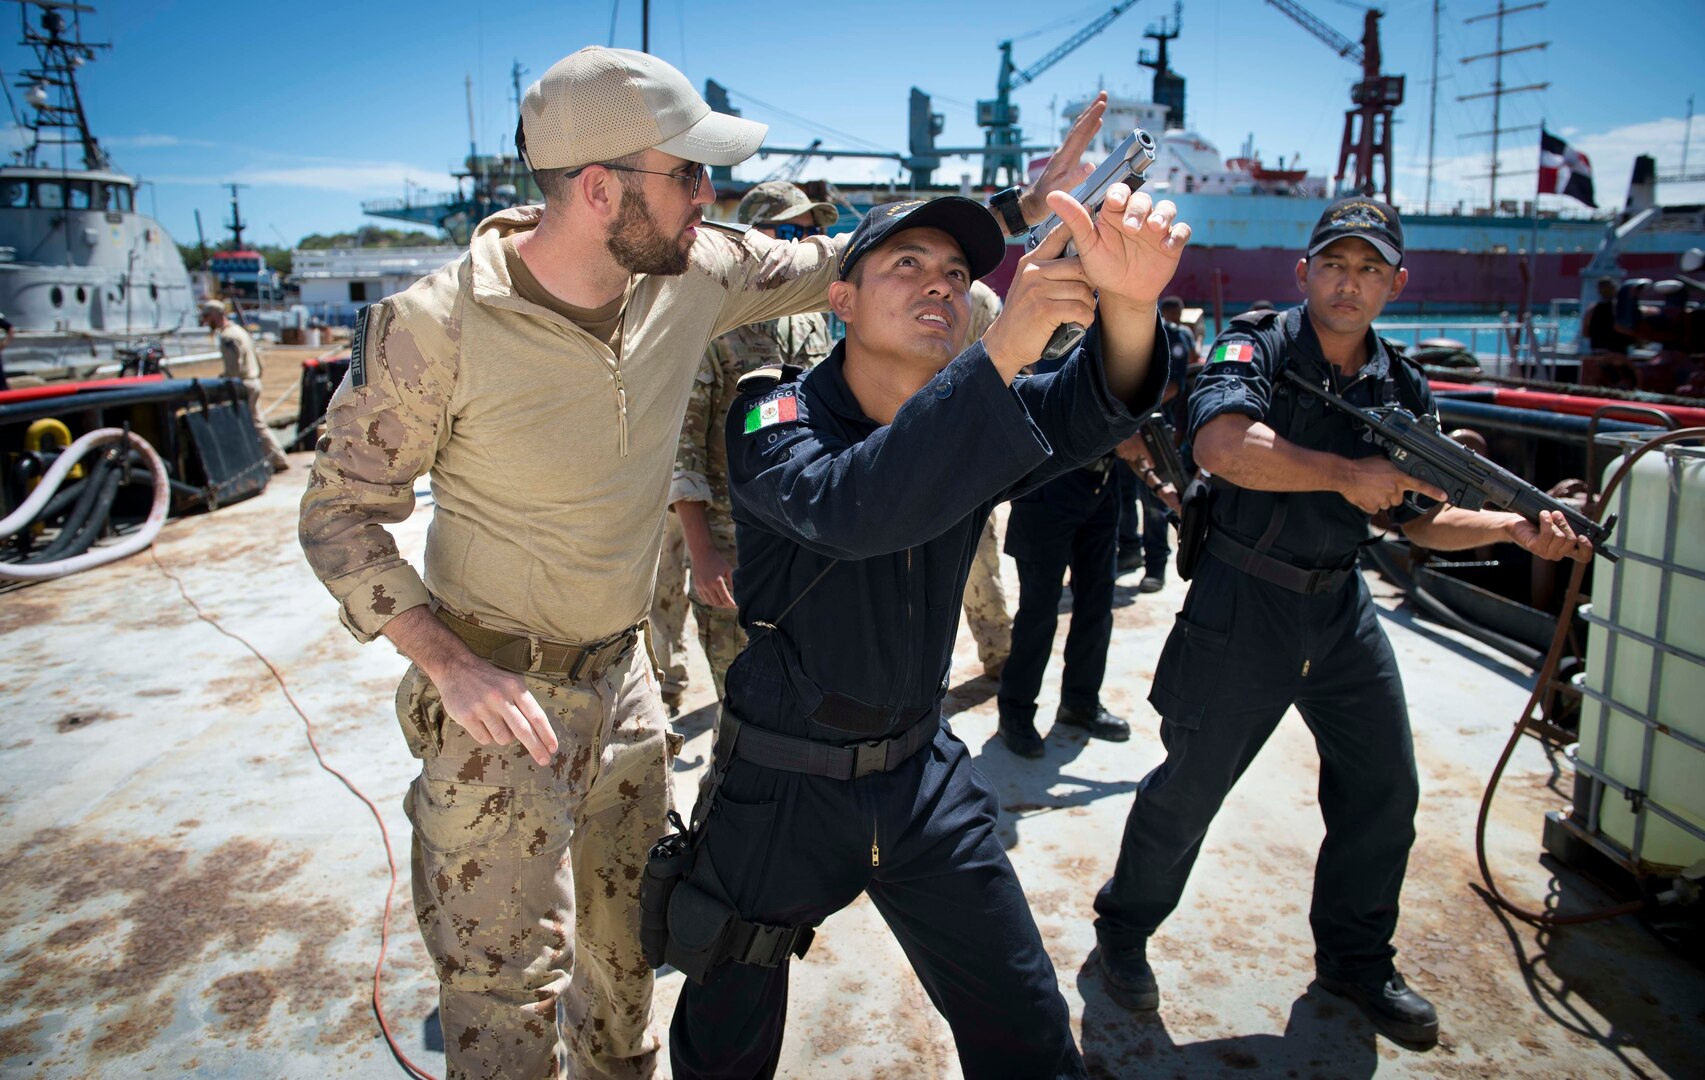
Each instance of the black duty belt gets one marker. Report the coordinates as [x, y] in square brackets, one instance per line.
[789, 754]
[1277, 571]
[853, 716]
[530, 655]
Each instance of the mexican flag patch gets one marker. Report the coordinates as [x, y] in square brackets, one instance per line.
[1233, 352]
[781, 409]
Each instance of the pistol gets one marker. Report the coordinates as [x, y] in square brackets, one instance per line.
[1126, 165]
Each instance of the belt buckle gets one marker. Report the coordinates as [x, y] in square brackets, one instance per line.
[870, 757]
[769, 945]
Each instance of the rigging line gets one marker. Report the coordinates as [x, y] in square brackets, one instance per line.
[615, 7]
[811, 124]
[1067, 20]
[681, 28]
[10, 104]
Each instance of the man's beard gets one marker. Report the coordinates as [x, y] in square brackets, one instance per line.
[638, 245]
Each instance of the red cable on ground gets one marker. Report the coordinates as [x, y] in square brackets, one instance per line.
[384, 833]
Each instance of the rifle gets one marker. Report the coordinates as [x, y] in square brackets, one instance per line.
[1417, 447]
[1124, 165]
[1163, 453]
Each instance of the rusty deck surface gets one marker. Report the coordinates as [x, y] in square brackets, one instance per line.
[184, 892]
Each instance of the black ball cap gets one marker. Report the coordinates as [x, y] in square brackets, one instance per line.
[1365, 219]
[966, 220]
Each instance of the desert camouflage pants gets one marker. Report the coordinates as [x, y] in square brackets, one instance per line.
[268, 444]
[669, 609]
[526, 878]
[719, 628]
[985, 603]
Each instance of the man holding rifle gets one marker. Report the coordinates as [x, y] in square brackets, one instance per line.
[1278, 616]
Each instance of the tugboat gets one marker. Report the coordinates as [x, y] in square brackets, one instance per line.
[83, 274]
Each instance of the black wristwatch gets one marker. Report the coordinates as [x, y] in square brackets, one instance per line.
[1005, 203]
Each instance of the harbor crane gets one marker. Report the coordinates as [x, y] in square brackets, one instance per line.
[1002, 138]
[1367, 126]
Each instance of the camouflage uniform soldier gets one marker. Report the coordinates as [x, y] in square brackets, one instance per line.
[669, 614]
[699, 495]
[541, 379]
[237, 350]
[985, 603]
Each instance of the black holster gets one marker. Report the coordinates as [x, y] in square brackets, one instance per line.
[1195, 508]
[666, 866]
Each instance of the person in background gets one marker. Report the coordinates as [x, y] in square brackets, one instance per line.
[699, 493]
[237, 351]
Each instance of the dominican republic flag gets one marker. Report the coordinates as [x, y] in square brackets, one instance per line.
[1563, 170]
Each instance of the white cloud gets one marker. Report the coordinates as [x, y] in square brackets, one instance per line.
[359, 177]
[1611, 152]
[155, 142]
[353, 177]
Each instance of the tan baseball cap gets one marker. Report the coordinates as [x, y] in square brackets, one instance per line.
[213, 307]
[600, 104]
[778, 200]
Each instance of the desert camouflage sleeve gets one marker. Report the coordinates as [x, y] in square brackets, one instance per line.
[384, 427]
[767, 278]
[692, 455]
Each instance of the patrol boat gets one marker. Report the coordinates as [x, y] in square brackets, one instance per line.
[83, 274]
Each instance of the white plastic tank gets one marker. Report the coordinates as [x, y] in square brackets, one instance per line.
[1643, 714]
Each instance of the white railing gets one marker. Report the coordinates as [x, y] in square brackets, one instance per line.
[1540, 353]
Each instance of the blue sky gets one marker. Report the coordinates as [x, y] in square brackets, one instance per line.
[318, 106]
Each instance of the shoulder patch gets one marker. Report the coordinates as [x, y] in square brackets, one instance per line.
[370, 324]
[768, 377]
[780, 406]
[1232, 352]
[1256, 319]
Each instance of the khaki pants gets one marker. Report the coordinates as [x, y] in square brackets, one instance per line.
[719, 628]
[526, 878]
[274, 455]
[985, 603]
[669, 608]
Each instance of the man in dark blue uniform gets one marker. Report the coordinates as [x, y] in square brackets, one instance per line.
[1069, 523]
[859, 494]
[1144, 540]
[1278, 616]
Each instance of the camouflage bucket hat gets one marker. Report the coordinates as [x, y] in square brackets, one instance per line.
[778, 200]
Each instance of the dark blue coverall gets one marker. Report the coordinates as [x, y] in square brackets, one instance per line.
[1149, 530]
[1071, 522]
[901, 506]
[1245, 648]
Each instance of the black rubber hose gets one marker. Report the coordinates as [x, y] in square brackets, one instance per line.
[61, 500]
[91, 491]
[69, 543]
[188, 491]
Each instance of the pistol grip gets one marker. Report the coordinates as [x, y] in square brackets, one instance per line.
[1065, 339]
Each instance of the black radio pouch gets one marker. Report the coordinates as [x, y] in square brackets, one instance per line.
[1195, 508]
[697, 932]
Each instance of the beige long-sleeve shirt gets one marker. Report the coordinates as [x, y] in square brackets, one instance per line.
[550, 458]
[237, 352]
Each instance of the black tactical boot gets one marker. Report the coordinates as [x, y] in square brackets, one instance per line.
[1098, 722]
[1129, 979]
[1392, 1007]
[1021, 738]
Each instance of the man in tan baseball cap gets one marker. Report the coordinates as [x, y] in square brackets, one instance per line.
[541, 379]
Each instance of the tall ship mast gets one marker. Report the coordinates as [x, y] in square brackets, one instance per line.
[82, 270]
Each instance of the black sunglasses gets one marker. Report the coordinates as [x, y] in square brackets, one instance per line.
[693, 179]
[793, 232]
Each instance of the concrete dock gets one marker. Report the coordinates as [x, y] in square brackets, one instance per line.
[185, 892]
